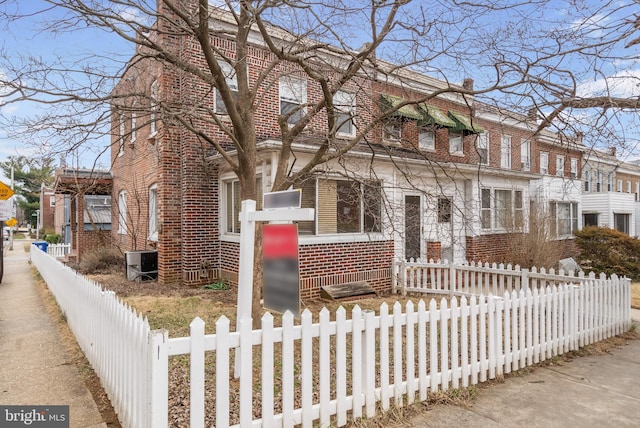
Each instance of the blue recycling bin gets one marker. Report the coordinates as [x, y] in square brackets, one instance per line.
[42, 245]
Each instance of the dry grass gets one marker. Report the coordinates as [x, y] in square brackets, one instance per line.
[635, 295]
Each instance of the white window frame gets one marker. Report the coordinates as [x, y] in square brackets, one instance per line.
[544, 163]
[153, 212]
[483, 145]
[505, 151]
[629, 186]
[293, 91]
[121, 133]
[573, 223]
[345, 107]
[525, 155]
[574, 168]
[599, 181]
[610, 182]
[426, 139]
[231, 79]
[587, 180]
[122, 212]
[153, 125]
[560, 165]
[392, 130]
[134, 123]
[491, 214]
[456, 143]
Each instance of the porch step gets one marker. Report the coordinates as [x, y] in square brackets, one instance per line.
[348, 291]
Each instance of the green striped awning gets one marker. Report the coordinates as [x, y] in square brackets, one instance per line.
[432, 115]
[464, 123]
[390, 104]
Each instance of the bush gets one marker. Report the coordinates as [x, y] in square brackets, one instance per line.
[101, 260]
[52, 238]
[609, 251]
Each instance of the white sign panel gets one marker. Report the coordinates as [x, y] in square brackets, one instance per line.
[6, 210]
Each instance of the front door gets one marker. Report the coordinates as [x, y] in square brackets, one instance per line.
[412, 227]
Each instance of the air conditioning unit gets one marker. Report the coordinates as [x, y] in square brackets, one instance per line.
[141, 265]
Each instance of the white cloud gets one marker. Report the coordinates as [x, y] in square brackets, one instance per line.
[625, 84]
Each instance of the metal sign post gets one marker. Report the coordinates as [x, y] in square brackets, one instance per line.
[248, 217]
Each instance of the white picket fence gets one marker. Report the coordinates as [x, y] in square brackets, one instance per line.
[58, 250]
[326, 373]
[443, 277]
[115, 340]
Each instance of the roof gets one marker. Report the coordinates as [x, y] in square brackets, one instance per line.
[75, 181]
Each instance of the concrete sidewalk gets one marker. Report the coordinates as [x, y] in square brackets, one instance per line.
[592, 391]
[35, 368]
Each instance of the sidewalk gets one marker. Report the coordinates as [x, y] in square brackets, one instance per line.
[592, 391]
[34, 367]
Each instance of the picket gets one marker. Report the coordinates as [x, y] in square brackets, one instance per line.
[342, 369]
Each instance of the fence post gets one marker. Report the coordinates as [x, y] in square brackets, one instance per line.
[158, 392]
[452, 278]
[196, 366]
[524, 279]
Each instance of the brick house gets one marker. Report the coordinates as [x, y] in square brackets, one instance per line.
[446, 178]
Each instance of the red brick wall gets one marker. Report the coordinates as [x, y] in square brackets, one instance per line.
[329, 264]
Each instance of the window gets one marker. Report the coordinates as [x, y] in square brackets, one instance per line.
[544, 163]
[525, 155]
[621, 222]
[637, 190]
[121, 132]
[518, 209]
[483, 148]
[392, 130]
[122, 212]
[505, 152]
[564, 218]
[233, 201]
[610, 182]
[345, 107]
[560, 166]
[590, 219]
[134, 122]
[444, 210]
[502, 209]
[587, 180]
[628, 187]
[153, 126]
[52, 201]
[342, 206]
[232, 82]
[574, 168]
[619, 186]
[153, 212]
[293, 96]
[485, 209]
[456, 143]
[426, 139]
[599, 181]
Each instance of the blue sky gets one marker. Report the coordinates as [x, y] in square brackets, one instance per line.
[30, 37]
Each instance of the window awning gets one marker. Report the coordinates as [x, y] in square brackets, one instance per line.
[463, 123]
[391, 102]
[432, 115]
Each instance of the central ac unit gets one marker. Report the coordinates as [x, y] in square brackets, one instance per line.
[141, 265]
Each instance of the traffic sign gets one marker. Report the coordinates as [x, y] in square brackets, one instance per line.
[5, 192]
[11, 222]
[6, 210]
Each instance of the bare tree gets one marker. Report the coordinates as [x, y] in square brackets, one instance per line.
[521, 56]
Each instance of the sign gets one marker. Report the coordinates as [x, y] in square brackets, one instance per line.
[283, 199]
[280, 268]
[12, 222]
[5, 192]
[6, 210]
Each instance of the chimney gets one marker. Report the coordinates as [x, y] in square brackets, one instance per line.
[467, 84]
[579, 137]
[612, 150]
[532, 115]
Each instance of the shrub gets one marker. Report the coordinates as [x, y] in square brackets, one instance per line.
[101, 260]
[52, 238]
[609, 251]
